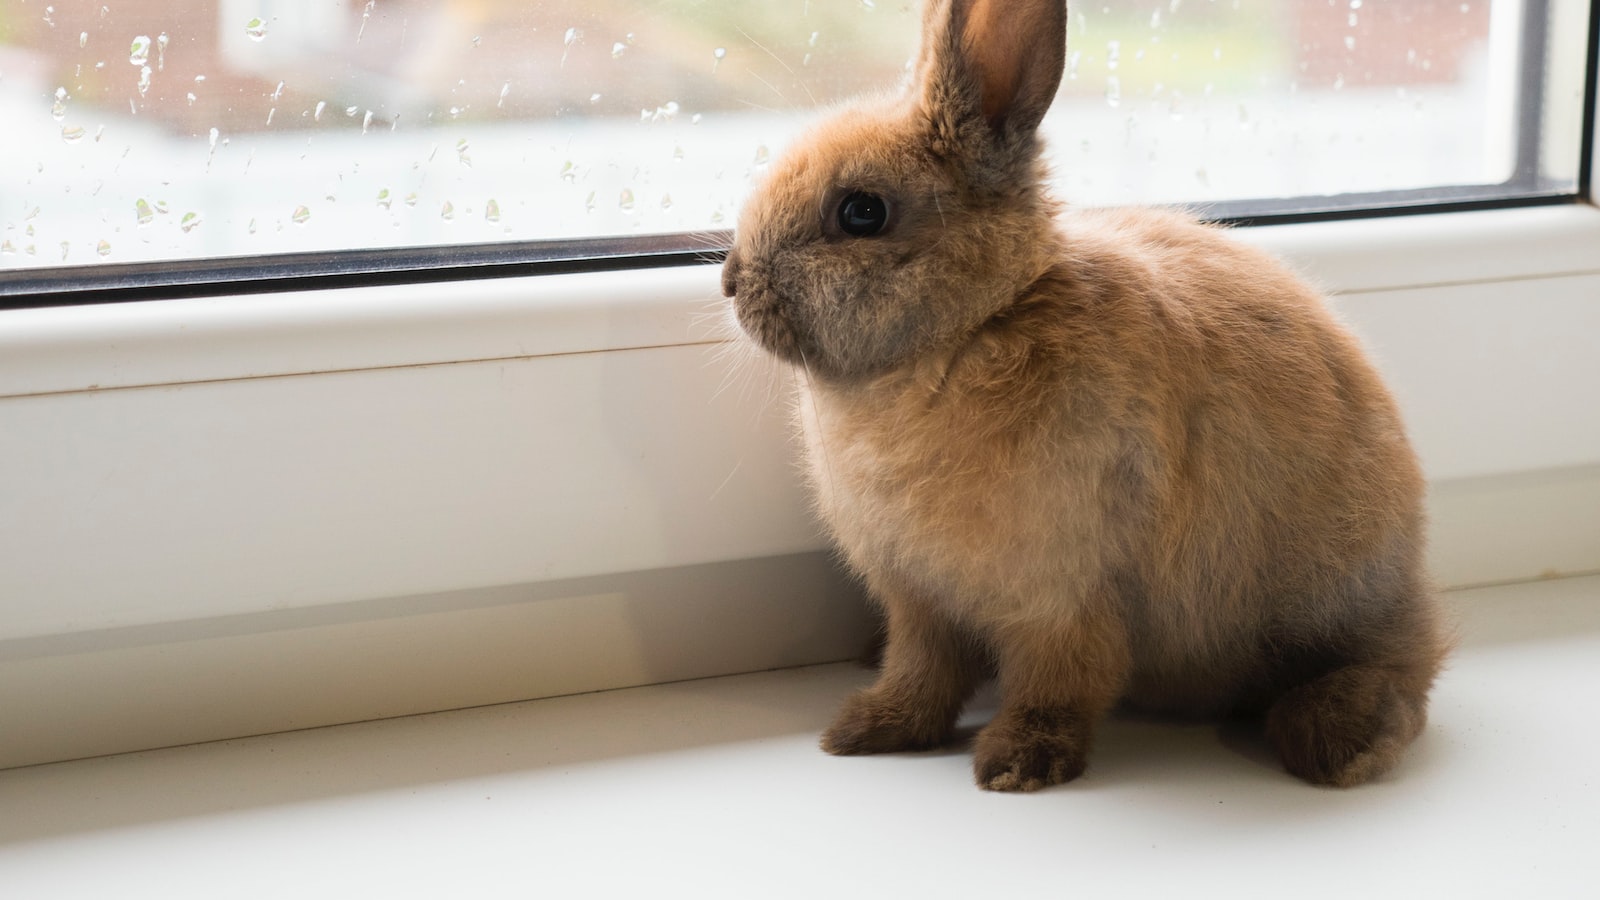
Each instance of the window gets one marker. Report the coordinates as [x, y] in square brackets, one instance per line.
[247, 138]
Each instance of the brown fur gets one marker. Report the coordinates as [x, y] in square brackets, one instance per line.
[1108, 456]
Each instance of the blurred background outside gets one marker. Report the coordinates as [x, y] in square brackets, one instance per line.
[172, 129]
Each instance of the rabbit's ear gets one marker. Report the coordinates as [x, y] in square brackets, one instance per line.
[997, 61]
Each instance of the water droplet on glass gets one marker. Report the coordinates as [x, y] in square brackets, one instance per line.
[812, 41]
[411, 199]
[277, 92]
[694, 119]
[144, 80]
[868, 4]
[572, 36]
[461, 152]
[1155, 18]
[666, 112]
[1113, 90]
[189, 222]
[301, 215]
[58, 109]
[72, 134]
[161, 51]
[594, 98]
[383, 198]
[366, 121]
[677, 153]
[7, 248]
[213, 137]
[569, 172]
[617, 49]
[504, 90]
[143, 212]
[48, 12]
[448, 211]
[1349, 42]
[256, 28]
[588, 202]
[666, 201]
[1354, 20]
[763, 155]
[83, 39]
[477, 39]
[1113, 54]
[139, 52]
[491, 210]
[190, 97]
[65, 246]
[717, 216]
[316, 114]
[625, 200]
[366, 13]
[350, 111]
[103, 248]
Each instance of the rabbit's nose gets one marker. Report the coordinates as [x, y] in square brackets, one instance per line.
[730, 274]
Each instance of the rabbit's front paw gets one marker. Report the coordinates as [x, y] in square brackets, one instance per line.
[872, 722]
[1029, 749]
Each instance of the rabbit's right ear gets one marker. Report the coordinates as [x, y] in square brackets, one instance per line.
[994, 64]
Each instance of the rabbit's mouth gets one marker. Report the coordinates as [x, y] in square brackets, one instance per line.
[762, 314]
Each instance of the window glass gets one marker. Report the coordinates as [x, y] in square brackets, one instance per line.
[184, 129]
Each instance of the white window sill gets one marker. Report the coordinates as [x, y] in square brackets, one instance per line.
[716, 789]
[503, 490]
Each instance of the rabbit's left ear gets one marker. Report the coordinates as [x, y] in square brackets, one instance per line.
[996, 60]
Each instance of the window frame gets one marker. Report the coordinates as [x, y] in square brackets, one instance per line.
[170, 279]
[300, 623]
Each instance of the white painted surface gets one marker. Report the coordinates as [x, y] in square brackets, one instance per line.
[1492, 378]
[163, 504]
[716, 789]
[94, 693]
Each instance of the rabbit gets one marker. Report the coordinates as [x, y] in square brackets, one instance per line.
[1107, 458]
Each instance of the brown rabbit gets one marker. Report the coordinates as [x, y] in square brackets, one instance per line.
[1105, 456]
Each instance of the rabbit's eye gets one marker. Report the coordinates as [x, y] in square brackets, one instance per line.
[862, 214]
